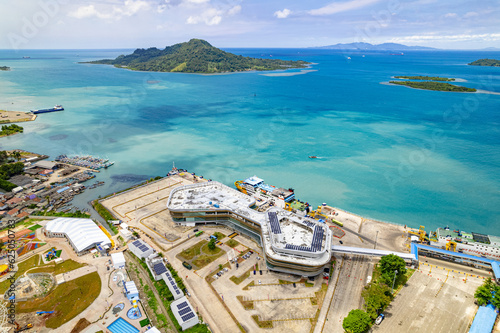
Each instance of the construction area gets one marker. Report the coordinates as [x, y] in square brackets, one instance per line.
[147, 206]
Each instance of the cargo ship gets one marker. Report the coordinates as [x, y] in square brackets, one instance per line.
[54, 109]
[469, 243]
[281, 197]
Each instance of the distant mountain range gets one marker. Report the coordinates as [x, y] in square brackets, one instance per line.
[376, 47]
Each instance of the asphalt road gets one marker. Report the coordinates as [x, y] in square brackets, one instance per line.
[347, 295]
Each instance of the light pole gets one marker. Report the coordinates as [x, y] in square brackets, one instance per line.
[395, 273]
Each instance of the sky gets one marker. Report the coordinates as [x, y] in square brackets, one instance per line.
[107, 24]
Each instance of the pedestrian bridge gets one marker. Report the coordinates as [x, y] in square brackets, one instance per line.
[372, 252]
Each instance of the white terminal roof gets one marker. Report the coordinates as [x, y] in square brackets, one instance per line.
[183, 310]
[131, 287]
[83, 233]
[292, 242]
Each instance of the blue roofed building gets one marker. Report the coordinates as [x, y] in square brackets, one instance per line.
[484, 320]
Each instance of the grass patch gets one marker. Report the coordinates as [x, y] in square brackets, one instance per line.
[204, 260]
[284, 281]
[319, 295]
[22, 267]
[241, 278]
[249, 285]
[219, 235]
[105, 214]
[247, 305]
[232, 243]
[67, 300]
[193, 251]
[53, 268]
[309, 284]
[80, 325]
[262, 323]
[36, 226]
[144, 322]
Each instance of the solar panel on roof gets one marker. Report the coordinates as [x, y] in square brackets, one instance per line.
[274, 222]
[137, 243]
[182, 305]
[187, 316]
[184, 311]
[159, 268]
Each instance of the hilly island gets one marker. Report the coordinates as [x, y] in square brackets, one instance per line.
[195, 56]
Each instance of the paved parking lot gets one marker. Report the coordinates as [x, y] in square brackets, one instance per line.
[434, 300]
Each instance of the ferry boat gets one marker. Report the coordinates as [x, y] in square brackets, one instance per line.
[469, 243]
[281, 197]
[55, 108]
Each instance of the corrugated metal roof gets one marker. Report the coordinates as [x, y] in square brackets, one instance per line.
[84, 233]
[46, 164]
[484, 320]
[131, 288]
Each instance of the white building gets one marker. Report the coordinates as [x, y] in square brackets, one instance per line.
[184, 313]
[172, 285]
[118, 260]
[131, 291]
[153, 330]
[141, 249]
[82, 234]
[126, 234]
[156, 266]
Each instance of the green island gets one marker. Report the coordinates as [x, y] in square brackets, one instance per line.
[486, 62]
[430, 85]
[421, 77]
[195, 56]
[10, 130]
[4, 68]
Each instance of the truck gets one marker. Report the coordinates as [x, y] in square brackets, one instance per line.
[187, 265]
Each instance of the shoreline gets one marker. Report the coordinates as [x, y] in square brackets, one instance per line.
[10, 117]
[478, 91]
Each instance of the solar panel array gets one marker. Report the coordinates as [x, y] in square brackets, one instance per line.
[172, 283]
[187, 316]
[310, 224]
[182, 305]
[275, 224]
[141, 246]
[184, 311]
[315, 245]
[159, 268]
[317, 239]
[298, 248]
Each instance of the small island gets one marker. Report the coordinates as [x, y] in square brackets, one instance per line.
[427, 78]
[196, 56]
[486, 62]
[4, 68]
[10, 130]
[437, 86]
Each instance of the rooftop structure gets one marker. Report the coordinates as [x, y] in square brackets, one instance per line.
[82, 234]
[140, 248]
[118, 260]
[46, 164]
[131, 291]
[156, 266]
[484, 320]
[470, 243]
[292, 243]
[172, 285]
[184, 313]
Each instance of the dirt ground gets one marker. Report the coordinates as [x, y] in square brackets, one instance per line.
[15, 116]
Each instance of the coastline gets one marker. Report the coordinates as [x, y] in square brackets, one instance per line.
[478, 91]
[10, 117]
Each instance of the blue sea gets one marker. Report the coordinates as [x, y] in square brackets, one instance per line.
[386, 152]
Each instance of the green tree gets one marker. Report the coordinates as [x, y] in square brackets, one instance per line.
[388, 265]
[377, 296]
[357, 321]
[211, 244]
[496, 300]
[483, 293]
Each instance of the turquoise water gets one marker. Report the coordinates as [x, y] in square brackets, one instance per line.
[122, 326]
[387, 152]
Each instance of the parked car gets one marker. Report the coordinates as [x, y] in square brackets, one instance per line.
[187, 292]
[379, 319]
[260, 282]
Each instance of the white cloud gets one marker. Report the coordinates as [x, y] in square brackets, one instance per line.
[196, 1]
[235, 10]
[450, 15]
[455, 38]
[212, 16]
[338, 7]
[128, 8]
[470, 14]
[282, 13]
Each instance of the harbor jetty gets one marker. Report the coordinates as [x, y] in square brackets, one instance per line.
[87, 161]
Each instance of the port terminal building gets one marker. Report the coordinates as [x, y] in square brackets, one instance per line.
[291, 243]
[457, 257]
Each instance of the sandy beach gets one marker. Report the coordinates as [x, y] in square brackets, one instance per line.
[7, 117]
